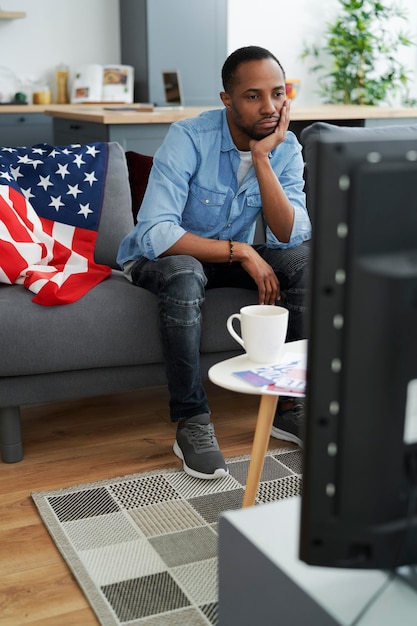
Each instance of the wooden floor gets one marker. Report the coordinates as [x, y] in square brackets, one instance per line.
[75, 442]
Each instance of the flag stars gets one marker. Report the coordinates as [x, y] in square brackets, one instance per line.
[85, 210]
[62, 182]
[16, 172]
[27, 193]
[73, 190]
[56, 202]
[79, 160]
[44, 181]
[90, 178]
[7, 176]
[38, 150]
[62, 170]
[35, 163]
[25, 159]
[92, 150]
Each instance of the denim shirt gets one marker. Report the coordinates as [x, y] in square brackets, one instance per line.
[193, 188]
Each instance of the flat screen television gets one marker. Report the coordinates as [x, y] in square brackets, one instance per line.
[360, 451]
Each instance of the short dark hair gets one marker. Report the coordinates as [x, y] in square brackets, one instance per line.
[243, 55]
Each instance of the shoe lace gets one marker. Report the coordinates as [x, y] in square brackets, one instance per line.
[298, 412]
[202, 435]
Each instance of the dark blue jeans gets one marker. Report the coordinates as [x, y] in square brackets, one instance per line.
[180, 283]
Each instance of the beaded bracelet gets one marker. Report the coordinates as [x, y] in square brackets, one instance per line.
[231, 251]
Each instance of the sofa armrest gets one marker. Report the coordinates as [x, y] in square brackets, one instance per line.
[116, 215]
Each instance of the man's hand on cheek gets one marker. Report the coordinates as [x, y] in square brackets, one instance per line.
[278, 135]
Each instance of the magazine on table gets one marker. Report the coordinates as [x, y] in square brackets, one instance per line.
[288, 377]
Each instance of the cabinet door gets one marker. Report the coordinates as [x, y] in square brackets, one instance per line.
[25, 129]
[143, 138]
[68, 131]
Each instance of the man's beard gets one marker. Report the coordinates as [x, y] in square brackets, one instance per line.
[258, 136]
[253, 133]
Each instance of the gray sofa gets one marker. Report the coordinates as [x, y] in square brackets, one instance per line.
[106, 342]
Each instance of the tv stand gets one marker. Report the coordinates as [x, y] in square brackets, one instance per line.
[262, 581]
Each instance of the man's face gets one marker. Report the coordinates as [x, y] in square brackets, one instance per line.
[255, 101]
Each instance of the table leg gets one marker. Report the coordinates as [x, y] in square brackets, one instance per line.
[263, 427]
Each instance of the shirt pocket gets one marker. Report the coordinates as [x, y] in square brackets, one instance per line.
[254, 201]
[204, 208]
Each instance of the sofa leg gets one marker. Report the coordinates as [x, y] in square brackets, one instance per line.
[10, 434]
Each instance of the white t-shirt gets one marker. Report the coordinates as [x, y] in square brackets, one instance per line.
[245, 165]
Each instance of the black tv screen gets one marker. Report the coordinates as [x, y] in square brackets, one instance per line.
[360, 450]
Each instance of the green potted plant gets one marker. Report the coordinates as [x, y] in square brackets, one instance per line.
[357, 59]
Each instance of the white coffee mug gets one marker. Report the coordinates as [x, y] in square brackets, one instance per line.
[264, 330]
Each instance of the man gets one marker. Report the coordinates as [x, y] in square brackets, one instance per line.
[211, 179]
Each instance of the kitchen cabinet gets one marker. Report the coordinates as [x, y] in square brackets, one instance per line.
[186, 35]
[66, 132]
[144, 138]
[25, 129]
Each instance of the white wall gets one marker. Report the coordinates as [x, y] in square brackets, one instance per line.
[284, 27]
[73, 32]
[76, 32]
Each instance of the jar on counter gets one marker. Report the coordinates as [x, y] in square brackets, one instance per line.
[61, 75]
[42, 95]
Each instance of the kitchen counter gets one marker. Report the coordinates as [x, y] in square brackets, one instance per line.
[31, 108]
[328, 112]
[114, 114]
[103, 115]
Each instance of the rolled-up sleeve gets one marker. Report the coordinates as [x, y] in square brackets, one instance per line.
[292, 181]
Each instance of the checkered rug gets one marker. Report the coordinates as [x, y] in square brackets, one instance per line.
[144, 547]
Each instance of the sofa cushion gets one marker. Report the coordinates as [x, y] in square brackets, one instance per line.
[114, 324]
[116, 215]
[139, 167]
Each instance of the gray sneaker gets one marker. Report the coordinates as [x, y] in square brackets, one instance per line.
[288, 424]
[196, 445]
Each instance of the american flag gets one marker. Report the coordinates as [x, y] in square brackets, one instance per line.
[50, 205]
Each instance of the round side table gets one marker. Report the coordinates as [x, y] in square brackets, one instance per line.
[222, 374]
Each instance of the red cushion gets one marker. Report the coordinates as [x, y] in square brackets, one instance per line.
[139, 166]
